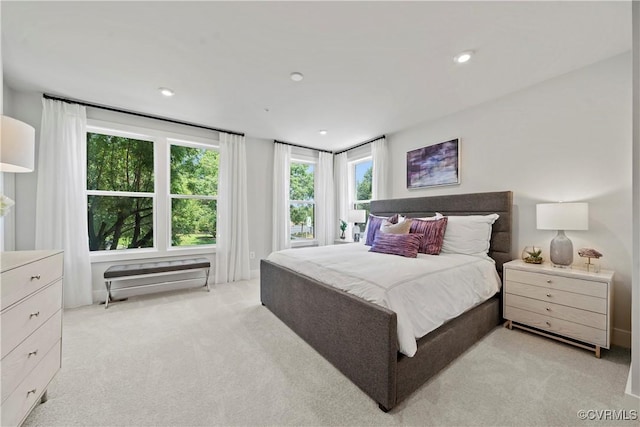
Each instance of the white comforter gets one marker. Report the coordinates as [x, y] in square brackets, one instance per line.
[425, 292]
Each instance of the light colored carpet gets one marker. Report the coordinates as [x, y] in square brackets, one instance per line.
[220, 358]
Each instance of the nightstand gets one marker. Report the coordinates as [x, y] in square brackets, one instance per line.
[569, 305]
[341, 241]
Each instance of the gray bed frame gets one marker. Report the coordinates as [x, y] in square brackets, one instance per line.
[360, 338]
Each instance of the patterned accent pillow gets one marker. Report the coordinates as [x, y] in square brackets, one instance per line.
[405, 245]
[432, 232]
[373, 226]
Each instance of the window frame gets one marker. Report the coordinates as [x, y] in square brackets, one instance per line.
[162, 140]
[353, 190]
[171, 196]
[300, 158]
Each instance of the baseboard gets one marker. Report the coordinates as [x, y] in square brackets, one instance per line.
[621, 338]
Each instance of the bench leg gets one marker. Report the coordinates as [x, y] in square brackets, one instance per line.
[107, 284]
[206, 281]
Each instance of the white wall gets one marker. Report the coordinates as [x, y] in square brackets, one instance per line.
[633, 387]
[566, 139]
[28, 108]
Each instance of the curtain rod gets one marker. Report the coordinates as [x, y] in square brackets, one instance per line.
[360, 144]
[134, 113]
[301, 146]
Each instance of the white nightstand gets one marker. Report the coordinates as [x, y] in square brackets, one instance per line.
[341, 241]
[570, 305]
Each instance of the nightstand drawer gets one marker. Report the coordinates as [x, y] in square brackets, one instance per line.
[567, 284]
[17, 364]
[582, 317]
[558, 326]
[19, 282]
[583, 302]
[20, 321]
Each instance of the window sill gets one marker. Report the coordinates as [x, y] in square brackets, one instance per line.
[141, 254]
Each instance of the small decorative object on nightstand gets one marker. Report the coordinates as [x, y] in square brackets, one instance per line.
[590, 253]
[572, 306]
[343, 227]
[532, 255]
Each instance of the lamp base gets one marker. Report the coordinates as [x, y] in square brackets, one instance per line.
[561, 251]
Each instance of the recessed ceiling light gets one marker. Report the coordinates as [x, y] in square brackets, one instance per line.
[296, 76]
[463, 57]
[166, 91]
[322, 132]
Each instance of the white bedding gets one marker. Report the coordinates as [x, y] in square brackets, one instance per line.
[425, 292]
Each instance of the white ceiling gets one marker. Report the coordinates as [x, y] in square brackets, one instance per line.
[370, 68]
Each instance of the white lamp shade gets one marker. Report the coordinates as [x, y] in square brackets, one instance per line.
[357, 216]
[17, 146]
[562, 216]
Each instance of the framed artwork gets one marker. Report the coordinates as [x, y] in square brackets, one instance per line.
[434, 165]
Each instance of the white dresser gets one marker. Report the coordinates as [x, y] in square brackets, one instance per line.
[31, 329]
[569, 305]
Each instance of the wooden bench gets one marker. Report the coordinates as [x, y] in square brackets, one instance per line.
[148, 269]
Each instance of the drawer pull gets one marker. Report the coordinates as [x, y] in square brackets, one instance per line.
[548, 280]
[548, 309]
[36, 314]
[36, 277]
[548, 324]
[549, 295]
[32, 353]
[33, 390]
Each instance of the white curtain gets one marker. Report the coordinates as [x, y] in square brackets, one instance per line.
[232, 244]
[281, 175]
[380, 174]
[341, 180]
[61, 201]
[325, 215]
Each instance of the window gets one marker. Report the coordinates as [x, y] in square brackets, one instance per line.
[362, 172]
[150, 190]
[120, 192]
[301, 201]
[193, 193]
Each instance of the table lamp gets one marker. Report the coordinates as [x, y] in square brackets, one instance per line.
[357, 216]
[17, 148]
[561, 217]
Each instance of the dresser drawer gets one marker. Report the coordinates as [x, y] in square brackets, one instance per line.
[582, 317]
[567, 284]
[21, 281]
[558, 326]
[583, 302]
[20, 361]
[19, 321]
[18, 404]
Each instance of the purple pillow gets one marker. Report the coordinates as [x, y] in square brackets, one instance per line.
[397, 244]
[374, 226]
[432, 232]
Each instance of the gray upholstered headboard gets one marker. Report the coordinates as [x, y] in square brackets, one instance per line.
[461, 204]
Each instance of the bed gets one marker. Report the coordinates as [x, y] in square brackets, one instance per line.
[359, 337]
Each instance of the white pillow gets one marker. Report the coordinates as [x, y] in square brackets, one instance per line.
[437, 216]
[470, 234]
